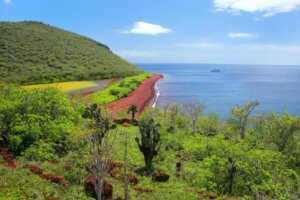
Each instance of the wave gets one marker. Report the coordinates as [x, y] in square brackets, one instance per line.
[157, 92]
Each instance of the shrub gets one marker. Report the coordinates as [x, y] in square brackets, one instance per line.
[28, 117]
[114, 92]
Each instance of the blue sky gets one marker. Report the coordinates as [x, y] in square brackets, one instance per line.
[177, 31]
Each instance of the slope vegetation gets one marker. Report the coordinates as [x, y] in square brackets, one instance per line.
[33, 52]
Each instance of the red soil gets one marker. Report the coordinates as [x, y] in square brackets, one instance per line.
[140, 97]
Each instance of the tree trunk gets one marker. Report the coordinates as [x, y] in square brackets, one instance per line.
[148, 162]
[98, 189]
[194, 127]
[231, 178]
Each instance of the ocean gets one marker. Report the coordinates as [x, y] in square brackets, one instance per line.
[277, 88]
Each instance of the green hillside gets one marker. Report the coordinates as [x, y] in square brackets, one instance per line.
[33, 52]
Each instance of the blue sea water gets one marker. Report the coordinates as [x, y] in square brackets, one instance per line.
[277, 88]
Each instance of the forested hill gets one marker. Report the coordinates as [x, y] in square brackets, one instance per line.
[33, 52]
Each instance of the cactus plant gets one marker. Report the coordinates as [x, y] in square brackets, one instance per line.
[100, 124]
[149, 143]
[132, 109]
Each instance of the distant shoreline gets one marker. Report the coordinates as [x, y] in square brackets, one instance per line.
[140, 97]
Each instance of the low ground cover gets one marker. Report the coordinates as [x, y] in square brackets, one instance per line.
[118, 89]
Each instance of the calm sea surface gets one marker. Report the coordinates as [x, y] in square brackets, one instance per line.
[277, 88]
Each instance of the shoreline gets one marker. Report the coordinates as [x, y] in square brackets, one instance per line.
[140, 97]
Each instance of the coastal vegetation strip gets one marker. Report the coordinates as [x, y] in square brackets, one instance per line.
[139, 97]
[119, 89]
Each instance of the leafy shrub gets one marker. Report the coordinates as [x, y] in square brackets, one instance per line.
[28, 117]
[114, 92]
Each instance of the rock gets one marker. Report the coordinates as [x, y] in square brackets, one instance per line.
[6, 155]
[55, 179]
[54, 161]
[131, 179]
[107, 191]
[90, 189]
[11, 164]
[35, 169]
[113, 164]
[143, 190]
[125, 121]
[207, 195]
[178, 168]
[216, 70]
[160, 177]
[114, 172]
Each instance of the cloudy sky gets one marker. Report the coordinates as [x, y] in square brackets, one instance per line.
[177, 31]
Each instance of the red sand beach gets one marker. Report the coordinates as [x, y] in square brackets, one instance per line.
[140, 97]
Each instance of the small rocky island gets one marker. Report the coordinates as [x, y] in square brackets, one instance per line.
[216, 70]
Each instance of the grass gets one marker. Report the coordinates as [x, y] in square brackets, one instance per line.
[65, 86]
[36, 53]
[118, 89]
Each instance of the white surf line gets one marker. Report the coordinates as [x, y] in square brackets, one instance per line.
[157, 92]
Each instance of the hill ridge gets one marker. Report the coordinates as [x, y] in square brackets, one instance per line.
[33, 52]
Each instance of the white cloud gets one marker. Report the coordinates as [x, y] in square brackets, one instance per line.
[242, 35]
[7, 1]
[147, 29]
[200, 45]
[266, 7]
[273, 47]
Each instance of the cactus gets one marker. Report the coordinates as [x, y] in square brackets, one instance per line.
[132, 109]
[100, 124]
[149, 143]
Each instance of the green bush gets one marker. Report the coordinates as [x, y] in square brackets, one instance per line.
[114, 92]
[30, 116]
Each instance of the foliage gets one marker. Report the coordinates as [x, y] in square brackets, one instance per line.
[99, 124]
[241, 115]
[32, 117]
[33, 52]
[215, 162]
[149, 142]
[194, 111]
[118, 89]
[133, 110]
